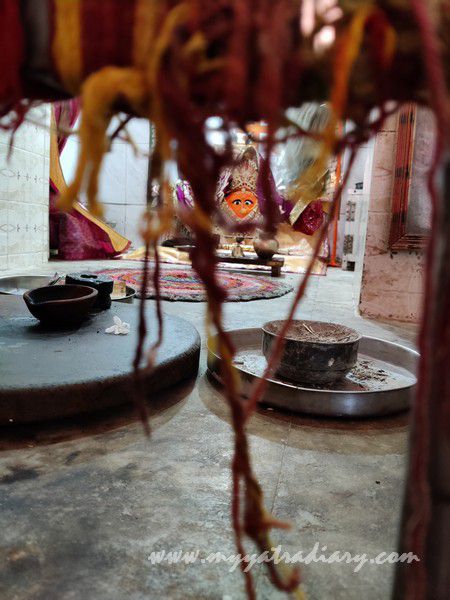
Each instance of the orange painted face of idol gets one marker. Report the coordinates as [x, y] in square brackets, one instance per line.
[242, 203]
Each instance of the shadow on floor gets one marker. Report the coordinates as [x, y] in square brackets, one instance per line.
[161, 409]
[367, 436]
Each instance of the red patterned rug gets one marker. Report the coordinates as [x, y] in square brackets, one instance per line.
[184, 285]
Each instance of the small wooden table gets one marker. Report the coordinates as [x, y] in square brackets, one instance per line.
[275, 263]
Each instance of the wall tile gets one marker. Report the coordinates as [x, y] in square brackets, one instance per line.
[46, 170]
[18, 228]
[390, 123]
[377, 236]
[44, 231]
[21, 176]
[380, 204]
[26, 226]
[392, 283]
[382, 172]
[3, 227]
[402, 272]
[24, 261]
[47, 138]
[115, 216]
[45, 190]
[69, 158]
[139, 129]
[114, 123]
[32, 137]
[133, 223]
[24, 194]
[136, 176]
[112, 189]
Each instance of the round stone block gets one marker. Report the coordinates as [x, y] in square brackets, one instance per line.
[45, 373]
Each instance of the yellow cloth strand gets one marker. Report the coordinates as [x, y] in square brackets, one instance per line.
[146, 18]
[66, 48]
[174, 19]
[99, 93]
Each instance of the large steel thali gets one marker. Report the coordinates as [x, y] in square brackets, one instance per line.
[382, 382]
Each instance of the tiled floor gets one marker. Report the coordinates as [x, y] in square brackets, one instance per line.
[100, 498]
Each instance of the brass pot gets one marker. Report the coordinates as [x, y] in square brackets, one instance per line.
[265, 244]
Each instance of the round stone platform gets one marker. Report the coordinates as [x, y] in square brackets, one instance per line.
[45, 374]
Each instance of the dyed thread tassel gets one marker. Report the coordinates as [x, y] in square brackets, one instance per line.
[11, 55]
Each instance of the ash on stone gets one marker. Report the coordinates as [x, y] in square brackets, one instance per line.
[315, 332]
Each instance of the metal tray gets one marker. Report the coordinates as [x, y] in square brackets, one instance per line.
[382, 382]
[20, 284]
[128, 297]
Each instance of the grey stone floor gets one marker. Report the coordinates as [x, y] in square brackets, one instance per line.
[84, 503]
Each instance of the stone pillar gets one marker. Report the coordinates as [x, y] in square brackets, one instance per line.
[392, 283]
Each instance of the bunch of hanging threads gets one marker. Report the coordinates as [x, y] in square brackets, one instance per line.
[177, 64]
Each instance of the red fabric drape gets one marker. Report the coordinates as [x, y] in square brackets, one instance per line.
[11, 55]
[77, 235]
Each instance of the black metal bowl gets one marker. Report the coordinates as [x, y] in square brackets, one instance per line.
[102, 283]
[60, 304]
[314, 352]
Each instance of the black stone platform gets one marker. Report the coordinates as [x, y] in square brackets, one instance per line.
[45, 374]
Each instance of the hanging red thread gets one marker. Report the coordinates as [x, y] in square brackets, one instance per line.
[417, 526]
[11, 56]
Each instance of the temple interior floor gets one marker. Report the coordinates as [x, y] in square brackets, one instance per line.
[85, 502]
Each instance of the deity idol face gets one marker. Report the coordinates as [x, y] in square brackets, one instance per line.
[241, 203]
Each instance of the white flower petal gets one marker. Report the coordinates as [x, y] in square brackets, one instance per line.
[120, 327]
